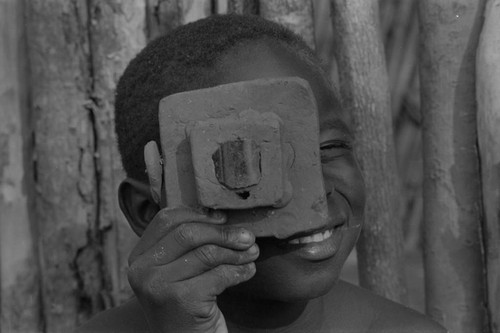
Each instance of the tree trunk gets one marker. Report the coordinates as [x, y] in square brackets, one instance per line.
[488, 98]
[402, 52]
[452, 192]
[116, 36]
[164, 15]
[296, 15]
[365, 91]
[64, 159]
[245, 7]
[19, 288]
[78, 49]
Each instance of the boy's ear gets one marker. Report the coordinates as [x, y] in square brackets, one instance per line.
[137, 204]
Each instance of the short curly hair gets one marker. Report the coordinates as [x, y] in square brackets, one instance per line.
[182, 60]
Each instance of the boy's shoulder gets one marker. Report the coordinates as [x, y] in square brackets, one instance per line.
[348, 308]
[359, 309]
[124, 318]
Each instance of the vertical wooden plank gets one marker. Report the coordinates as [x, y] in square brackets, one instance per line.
[117, 34]
[488, 118]
[220, 6]
[243, 7]
[449, 33]
[296, 15]
[161, 17]
[19, 290]
[402, 52]
[364, 89]
[78, 50]
[65, 169]
[193, 10]
[164, 15]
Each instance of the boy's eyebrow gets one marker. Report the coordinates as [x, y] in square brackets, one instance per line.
[336, 123]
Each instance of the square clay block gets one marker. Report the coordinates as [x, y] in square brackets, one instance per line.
[248, 146]
[289, 98]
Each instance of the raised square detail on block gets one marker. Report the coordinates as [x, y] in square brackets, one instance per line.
[238, 160]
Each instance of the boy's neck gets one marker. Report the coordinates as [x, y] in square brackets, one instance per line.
[254, 315]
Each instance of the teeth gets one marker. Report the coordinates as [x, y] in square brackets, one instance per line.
[319, 237]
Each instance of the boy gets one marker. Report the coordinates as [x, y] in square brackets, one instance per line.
[196, 272]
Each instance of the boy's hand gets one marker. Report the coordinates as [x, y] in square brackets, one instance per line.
[182, 262]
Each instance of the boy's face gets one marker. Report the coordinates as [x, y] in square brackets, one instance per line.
[288, 271]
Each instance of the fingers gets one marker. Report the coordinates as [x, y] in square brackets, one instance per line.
[183, 260]
[166, 220]
[190, 236]
[208, 257]
[214, 282]
[195, 292]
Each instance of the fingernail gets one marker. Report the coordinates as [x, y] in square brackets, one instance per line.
[245, 237]
[253, 250]
[250, 267]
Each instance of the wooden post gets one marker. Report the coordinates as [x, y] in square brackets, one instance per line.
[65, 169]
[164, 15]
[246, 7]
[296, 15]
[19, 289]
[116, 36]
[402, 52]
[449, 33]
[488, 118]
[77, 52]
[365, 92]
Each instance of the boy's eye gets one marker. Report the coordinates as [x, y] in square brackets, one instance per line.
[332, 149]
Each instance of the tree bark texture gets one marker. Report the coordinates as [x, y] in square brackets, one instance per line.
[365, 93]
[402, 51]
[77, 51]
[116, 36]
[245, 7]
[452, 186]
[164, 15]
[19, 288]
[488, 118]
[296, 15]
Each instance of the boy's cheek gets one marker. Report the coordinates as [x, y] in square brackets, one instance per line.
[345, 178]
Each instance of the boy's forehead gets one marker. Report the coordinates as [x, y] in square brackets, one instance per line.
[260, 59]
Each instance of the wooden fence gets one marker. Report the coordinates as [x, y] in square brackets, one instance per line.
[63, 241]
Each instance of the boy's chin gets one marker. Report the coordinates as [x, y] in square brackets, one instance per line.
[288, 290]
[304, 293]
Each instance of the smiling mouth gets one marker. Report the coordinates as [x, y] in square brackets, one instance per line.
[314, 237]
